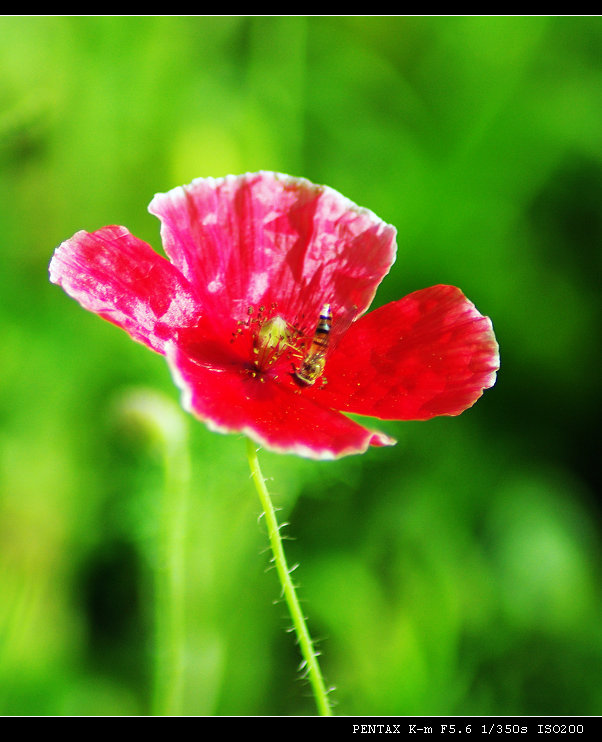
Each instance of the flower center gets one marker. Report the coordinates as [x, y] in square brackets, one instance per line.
[272, 339]
[280, 347]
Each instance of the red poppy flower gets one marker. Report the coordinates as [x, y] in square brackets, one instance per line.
[260, 314]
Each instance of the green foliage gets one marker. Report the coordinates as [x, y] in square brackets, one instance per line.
[458, 572]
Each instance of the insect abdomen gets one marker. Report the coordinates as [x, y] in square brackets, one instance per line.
[313, 364]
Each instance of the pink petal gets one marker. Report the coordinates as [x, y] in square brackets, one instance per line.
[121, 278]
[229, 398]
[430, 353]
[271, 239]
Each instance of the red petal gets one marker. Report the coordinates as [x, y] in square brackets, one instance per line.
[230, 399]
[267, 238]
[431, 353]
[121, 278]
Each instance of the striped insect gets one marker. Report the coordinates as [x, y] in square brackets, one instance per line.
[312, 366]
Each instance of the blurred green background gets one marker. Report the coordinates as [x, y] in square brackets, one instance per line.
[456, 573]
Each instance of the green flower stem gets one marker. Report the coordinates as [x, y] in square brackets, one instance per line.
[166, 427]
[310, 658]
[171, 580]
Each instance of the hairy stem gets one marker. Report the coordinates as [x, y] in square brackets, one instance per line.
[310, 658]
